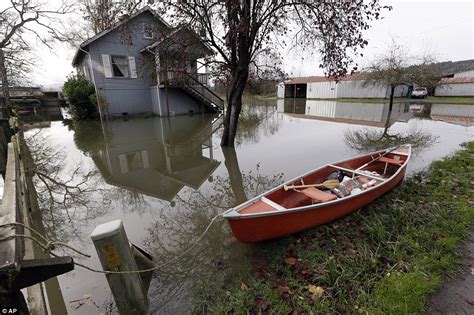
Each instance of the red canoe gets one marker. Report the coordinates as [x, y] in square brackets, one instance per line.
[284, 210]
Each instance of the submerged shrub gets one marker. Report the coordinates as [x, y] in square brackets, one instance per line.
[79, 93]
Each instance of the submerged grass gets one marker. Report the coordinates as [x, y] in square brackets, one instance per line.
[385, 258]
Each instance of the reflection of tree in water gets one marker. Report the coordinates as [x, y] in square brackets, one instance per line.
[218, 258]
[256, 120]
[368, 139]
[69, 196]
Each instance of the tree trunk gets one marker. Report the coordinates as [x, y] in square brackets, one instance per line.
[235, 175]
[5, 87]
[392, 91]
[234, 106]
[387, 124]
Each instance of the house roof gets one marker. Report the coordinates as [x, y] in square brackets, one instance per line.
[80, 51]
[176, 37]
[457, 80]
[315, 79]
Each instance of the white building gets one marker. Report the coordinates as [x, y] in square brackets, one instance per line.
[456, 86]
[469, 73]
[320, 87]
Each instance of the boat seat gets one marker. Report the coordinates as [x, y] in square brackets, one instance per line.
[385, 159]
[318, 195]
[258, 207]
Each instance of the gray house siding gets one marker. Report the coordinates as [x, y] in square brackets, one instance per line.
[140, 91]
[179, 102]
[125, 95]
[155, 101]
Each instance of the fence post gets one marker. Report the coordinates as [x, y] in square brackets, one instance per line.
[115, 254]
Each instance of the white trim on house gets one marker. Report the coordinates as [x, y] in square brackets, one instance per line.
[133, 67]
[107, 65]
[103, 33]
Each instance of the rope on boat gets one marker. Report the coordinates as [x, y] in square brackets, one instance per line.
[49, 245]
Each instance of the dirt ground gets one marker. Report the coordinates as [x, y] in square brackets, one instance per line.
[456, 296]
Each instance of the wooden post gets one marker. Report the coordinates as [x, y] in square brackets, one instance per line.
[115, 254]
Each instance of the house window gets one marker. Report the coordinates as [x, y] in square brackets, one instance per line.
[147, 31]
[120, 66]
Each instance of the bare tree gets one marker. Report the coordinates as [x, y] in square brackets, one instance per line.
[397, 68]
[427, 72]
[240, 31]
[18, 20]
[18, 63]
[103, 14]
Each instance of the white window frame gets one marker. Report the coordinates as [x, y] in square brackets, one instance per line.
[145, 32]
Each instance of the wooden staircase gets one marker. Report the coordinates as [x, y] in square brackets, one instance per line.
[195, 85]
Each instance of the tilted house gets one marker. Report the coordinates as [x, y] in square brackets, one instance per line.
[142, 64]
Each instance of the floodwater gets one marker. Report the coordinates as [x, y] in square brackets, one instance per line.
[166, 178]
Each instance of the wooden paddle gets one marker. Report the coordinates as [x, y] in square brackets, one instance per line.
[329, 184]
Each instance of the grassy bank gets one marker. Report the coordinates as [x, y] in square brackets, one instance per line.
[386, 258]
[468, 100]
[259, 97]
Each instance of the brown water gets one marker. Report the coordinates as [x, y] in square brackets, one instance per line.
[167, 177]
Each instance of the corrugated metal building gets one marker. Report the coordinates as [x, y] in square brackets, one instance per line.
[456, 86]
[321, 87]
[469, 73]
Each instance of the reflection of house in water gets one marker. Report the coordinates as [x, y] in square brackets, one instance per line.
[158, 156]
[371, 114]
[456, 114]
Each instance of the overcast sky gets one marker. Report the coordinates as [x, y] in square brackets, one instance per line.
[442, 28]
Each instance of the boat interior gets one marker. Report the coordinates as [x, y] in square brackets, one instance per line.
[361, 176]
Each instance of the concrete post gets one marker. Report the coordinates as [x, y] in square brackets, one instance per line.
[115, 254]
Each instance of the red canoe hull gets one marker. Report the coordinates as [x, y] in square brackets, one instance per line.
[266, 227]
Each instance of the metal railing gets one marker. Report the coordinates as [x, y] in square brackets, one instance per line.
[174, 77]
[196, 82]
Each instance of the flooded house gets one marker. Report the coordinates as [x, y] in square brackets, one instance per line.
[351, 86]
[142, 64]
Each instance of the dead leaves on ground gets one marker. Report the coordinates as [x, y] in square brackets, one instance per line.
[283, 289]
[295, 280]
[291, 261]
[316, 292]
